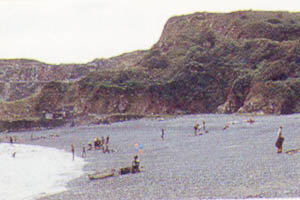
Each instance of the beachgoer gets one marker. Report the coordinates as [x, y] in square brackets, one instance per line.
[162, 134]
[97, 143]
[73, 150]
[203, 126]
[11, 140]
[279, 141]
[102, 140]
[135, 165]
[14, 154]
[107, 139]
[90, 146]
[196, 129]
[83, 152]
[106, 149]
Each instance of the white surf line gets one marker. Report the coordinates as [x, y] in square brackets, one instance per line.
[35, 171]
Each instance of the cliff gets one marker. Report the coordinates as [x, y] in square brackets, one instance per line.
[246, 62]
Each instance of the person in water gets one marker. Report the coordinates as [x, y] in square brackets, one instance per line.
[279, 141]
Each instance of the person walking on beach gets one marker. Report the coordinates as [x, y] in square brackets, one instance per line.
[279, 141]
[162, 134]
[73, 150]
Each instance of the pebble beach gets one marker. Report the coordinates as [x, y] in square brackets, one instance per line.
[235, 163]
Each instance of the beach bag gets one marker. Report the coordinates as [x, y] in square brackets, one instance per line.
[125, 170]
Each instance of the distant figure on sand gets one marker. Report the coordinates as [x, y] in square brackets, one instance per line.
[102, 141]
[135, 165]
[203, 126]
[162, 134]
[106, 148]
[279, 141]
[97, 143]
[14, 154]
[11, 140]
[73, 150]
[90, 146]
[196, 129]
[107, 139]
[83, 155]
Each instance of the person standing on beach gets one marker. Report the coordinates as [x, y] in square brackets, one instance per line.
[162, 134]
[83, 152]
[102, 141]
[196, 129]
[11, 140]
[279, 141]
[203, 127]
[73, 150]
[107, 139]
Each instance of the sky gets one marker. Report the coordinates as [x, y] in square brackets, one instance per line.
[78, 31]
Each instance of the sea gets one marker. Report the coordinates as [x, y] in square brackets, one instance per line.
[29, 172]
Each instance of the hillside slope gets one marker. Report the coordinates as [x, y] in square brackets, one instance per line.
[246, 62]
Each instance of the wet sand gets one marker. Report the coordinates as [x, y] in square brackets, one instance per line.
[239, 162]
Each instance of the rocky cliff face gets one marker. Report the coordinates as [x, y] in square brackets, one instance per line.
[21, 78]
[247, 62]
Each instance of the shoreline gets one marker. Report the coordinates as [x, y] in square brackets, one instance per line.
[35, 171]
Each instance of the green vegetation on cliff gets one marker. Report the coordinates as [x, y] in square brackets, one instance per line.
[244, 61]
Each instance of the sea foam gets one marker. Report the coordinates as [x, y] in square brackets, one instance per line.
[35, 171]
